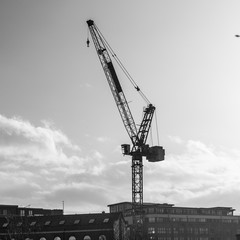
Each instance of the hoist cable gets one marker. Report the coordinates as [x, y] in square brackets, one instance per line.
[120, 64]
[157, 127]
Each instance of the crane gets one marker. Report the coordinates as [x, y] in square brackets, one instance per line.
[138, 136]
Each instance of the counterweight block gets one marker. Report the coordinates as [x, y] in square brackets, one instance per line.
[155, 154]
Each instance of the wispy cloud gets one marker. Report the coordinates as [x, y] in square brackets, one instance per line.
[103, 139]
[33, 160]
[199, 176]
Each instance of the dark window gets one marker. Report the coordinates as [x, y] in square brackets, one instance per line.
[87, 238]
[33, 223]
[77, 221]
[19, 224]
[106, 220]
[91, 220]
[72, 238]
[151, 230]
[5, 225]
[151, 210]
[102, 237]
[47, 223]
[151, 219]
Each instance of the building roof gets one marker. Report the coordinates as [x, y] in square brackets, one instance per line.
[147, 204]
[51, 222]
[144, 204]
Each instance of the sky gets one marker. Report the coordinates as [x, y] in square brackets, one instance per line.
[60, 130]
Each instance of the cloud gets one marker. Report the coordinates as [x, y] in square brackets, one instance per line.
[39, 165]
[199, 176]
[22, 141]
[103, 139]
[176, 139]
[33, 159]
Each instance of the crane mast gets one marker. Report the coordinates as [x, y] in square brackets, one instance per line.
[138, 137]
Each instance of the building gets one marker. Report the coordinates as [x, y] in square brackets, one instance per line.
[167, 222]
[99, 226]
[15, 210]
[238, 236]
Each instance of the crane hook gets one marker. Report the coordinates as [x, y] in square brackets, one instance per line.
[88, 42]
[137, 88]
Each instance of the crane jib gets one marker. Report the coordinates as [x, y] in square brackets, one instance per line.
[114, 77]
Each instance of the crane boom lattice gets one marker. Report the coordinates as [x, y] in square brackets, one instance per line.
[138, 137]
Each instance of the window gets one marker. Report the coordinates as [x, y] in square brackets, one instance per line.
[47, 223]
[226, 220]
[19, 224]
[57, 238]
[30, 212]
[72, 238]
[87, 238]
[151, 219]
[151, 230]
[22, 212]
[160, 210]
[203, 230]
[219, 212]
[77, 221]
[91, 220]
[168, 230]
[106, 220]
[178, 211]
[42, 238]
[206, 211]
[151, 210]
[102, 237]
[61, 222]
[193, 211]
[161, 230]
[213, 212]
[5, 212]
[33, 223]
[190, 230]
[181, 230]
[5, 225]
[159, 219]
[192, 220]
[175, 230]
